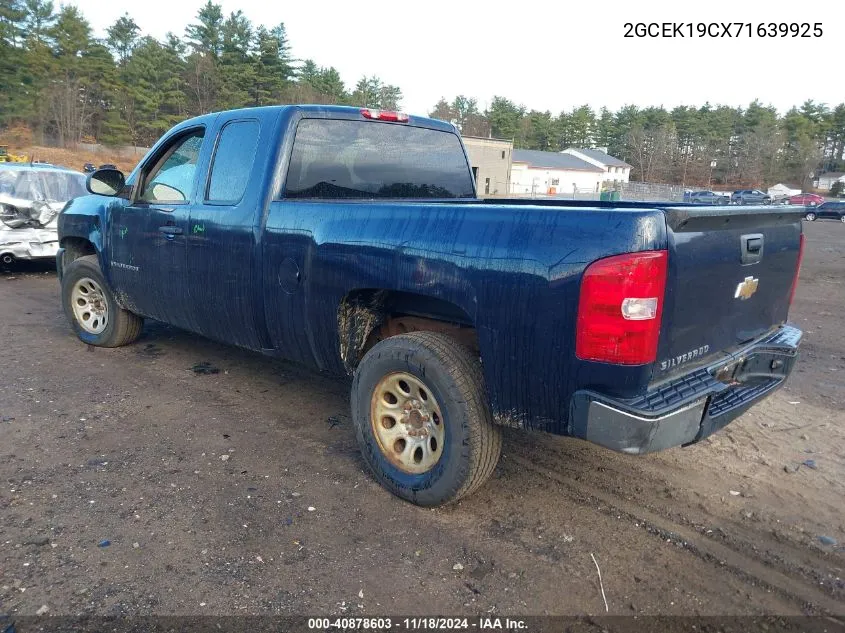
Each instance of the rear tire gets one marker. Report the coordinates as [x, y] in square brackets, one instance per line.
[810, 216]
[91, 308]
[410, 389]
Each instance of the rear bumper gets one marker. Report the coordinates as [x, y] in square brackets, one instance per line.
[688, 408]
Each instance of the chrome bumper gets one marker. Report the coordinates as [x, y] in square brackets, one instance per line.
[688, 408]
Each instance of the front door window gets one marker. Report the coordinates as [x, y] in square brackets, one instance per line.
[171, 180]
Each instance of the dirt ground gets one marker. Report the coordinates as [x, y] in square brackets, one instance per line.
[70, 158]
[129, 484]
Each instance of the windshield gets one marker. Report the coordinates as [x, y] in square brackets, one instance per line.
[34, 197]
[42, 184]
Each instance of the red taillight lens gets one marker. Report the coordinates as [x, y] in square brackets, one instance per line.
[384, 115]
[797, 269]
[620, 308]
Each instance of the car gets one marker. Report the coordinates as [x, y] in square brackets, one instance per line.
[827, 211]
[707, 197]
[750, 196]
[352, 240]
[31, 196]
[108, 166]
[89, 168]
[806, 199]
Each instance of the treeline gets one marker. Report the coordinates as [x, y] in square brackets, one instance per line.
[716, 144]
[128, 88]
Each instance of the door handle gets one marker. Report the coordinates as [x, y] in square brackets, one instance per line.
[751, 248]
[170, 230]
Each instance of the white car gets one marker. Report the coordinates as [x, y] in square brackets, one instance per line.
[31, 197]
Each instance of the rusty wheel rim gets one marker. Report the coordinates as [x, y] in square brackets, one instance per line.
[407, 423]
[89, 304]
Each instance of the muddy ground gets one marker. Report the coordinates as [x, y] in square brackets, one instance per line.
[129, 484]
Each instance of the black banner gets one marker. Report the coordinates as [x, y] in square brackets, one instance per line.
[379, 624]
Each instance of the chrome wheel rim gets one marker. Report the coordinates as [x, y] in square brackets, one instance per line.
[407, 423]
[811, 216]
[90, 307]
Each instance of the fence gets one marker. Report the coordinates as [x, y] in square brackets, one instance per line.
[651, 192]
[642, 191]
[125, 151]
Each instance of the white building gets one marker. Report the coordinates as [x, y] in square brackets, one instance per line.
[825, 181]
[615, 170]
[781, 190]
[550, 173]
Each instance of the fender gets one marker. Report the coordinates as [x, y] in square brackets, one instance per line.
[83, 219]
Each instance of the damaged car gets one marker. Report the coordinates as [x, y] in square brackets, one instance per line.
[31, 196]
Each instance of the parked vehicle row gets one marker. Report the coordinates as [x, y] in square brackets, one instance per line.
[89, 168]
[752, 197]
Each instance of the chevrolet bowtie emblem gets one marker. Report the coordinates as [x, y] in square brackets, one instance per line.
[746, 288]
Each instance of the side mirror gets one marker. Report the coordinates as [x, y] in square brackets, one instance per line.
[105, 182]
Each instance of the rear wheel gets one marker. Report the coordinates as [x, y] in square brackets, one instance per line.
[91, 308]
[422, 419]
[810, 216]
[842, 218]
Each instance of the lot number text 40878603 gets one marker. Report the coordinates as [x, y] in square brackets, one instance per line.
[722, 29]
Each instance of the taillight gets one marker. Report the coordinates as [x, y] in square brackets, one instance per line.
[797, 269]
[620, 307]
[384, 115]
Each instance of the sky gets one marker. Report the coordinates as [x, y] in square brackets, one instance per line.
[545, 55]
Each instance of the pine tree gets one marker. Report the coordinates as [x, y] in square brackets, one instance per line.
[122, 37]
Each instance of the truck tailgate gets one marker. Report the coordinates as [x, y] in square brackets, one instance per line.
[730, 275]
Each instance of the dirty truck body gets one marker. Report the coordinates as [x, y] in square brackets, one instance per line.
[351, 241]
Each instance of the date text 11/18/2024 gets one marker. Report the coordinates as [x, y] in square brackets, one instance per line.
[417, 624]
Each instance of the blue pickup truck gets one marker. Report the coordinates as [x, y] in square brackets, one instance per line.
[351, 240]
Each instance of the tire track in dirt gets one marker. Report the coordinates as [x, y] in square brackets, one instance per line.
[769, 542]
[812, 599]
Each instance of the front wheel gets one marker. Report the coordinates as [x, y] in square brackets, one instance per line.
[91, 308]
[810, 216]
[422, 419]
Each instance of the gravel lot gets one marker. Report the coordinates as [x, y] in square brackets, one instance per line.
[130, 484]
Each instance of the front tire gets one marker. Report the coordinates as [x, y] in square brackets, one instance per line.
[422, 419]
[810, 216]
[91, 308]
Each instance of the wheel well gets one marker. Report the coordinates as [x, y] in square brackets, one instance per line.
[368, 316]
[76, 247]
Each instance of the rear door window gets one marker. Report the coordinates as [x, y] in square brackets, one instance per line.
[342, 159]
[233, 160]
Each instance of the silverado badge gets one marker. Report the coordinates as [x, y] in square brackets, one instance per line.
[746, 288]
